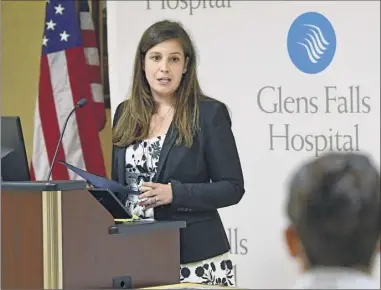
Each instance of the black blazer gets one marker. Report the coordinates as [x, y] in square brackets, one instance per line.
[204, 177]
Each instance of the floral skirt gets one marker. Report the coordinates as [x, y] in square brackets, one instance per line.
[214, 271]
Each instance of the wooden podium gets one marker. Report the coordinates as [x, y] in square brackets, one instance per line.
[56, 235]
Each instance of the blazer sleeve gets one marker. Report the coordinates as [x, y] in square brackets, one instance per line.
[114, 159]
[227, 185]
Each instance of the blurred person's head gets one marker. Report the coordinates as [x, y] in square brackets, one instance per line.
[334, 212]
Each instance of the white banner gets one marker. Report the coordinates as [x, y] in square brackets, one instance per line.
[297, 84]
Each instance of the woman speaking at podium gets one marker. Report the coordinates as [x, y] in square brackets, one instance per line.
[175, 147]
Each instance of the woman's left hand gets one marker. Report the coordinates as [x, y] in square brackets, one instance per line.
[155, 194]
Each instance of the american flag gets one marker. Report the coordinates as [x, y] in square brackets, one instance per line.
[69, 71]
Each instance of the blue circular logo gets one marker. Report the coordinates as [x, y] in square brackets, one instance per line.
[311, 42]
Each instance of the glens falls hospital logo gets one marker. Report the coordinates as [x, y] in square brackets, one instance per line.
[311, 42]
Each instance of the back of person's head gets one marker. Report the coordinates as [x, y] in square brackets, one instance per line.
[134, 123]
[334, 209]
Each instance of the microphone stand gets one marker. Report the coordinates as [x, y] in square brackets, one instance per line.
[80, 104]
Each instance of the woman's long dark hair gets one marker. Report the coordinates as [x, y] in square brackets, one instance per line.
[134, 122]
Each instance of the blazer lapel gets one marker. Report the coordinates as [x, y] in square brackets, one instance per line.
[169, 141]
[122, 165]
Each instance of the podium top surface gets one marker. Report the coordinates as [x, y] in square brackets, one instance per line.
[142, 227]
[51, 185]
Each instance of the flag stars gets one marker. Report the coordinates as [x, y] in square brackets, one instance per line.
[59, 9]
[50, 25]
[64, 36]
[45, 41]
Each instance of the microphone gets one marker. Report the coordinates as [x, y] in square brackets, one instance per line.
[82, 102]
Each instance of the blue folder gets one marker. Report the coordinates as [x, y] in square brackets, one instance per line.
[99, 181]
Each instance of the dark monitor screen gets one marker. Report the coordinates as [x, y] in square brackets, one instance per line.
[14, 162]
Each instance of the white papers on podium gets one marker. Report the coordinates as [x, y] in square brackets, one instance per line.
[99, 181]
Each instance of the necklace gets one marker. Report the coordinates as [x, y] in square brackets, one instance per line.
[158, 124]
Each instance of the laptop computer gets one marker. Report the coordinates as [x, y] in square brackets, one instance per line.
[113, 205]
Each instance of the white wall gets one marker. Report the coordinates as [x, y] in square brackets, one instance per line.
[243, 49]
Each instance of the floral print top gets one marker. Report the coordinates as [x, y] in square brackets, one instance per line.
[142, 159]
